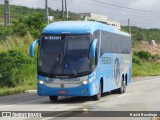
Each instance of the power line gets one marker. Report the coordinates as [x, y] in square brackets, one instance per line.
[119, 6]
[144, 23]
[111, 7]
[123, 4]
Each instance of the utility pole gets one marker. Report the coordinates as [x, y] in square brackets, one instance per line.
[46, 8]
[66, 9]
[6, 13]
[129, 28]
[62, 9]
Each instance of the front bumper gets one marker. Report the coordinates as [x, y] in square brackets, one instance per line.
[83, 90]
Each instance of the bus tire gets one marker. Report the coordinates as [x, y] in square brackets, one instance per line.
[53, 98]
[122, 89]
[98, 96]
[113, 91]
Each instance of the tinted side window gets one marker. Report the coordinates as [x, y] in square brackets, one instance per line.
[115, 43]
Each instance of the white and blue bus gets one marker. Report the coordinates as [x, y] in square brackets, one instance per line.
[82, 58]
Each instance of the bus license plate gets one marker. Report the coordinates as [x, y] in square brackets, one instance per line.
[62, 91]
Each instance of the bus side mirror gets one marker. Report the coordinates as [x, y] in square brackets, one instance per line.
[92, 53]
[32, 46]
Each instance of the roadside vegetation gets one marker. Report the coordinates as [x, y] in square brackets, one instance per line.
[146, 58]
[18, 70]
[145, 64]
[139, 34]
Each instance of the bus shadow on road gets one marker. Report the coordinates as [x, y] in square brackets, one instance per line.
[72, 100]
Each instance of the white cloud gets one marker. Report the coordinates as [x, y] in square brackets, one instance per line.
[147, 4]
[142, 19]
[1, 1]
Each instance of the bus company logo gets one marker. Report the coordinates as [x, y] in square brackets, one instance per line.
[66, 66]
[70, 79]
[117, 71]
[106, 60]
[62, 77]
[62, 85]
[50, 80]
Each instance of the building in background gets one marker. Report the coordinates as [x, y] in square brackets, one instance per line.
[100, 18]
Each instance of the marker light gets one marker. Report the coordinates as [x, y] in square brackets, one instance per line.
[92, 78]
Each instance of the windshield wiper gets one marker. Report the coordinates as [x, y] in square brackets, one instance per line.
[75, 73]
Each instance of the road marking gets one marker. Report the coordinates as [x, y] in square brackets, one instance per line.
[141, 81]
[153, 86]
[57, 115]
[31, 91]
[22, 102]
[47, 118]
[124, 95]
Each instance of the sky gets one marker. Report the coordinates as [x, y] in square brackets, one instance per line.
[142, 13]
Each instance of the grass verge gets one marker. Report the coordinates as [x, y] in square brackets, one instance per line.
[146, 69]
[16, 90]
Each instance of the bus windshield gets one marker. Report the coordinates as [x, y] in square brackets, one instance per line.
[64, 55]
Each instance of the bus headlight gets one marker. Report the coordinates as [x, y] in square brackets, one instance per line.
[84, 82]
[41, 81]
[89, 80]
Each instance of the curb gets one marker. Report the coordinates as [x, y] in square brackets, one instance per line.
[30, 91]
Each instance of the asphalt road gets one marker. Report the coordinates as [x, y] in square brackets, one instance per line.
[143, 94]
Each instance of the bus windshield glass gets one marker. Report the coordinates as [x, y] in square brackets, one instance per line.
[64, 55]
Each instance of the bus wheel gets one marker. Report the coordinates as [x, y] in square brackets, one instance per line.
[122, 89]
[53, 98]
[98, 96]
[114, 92]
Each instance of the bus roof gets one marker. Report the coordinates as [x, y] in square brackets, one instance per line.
[79, 27]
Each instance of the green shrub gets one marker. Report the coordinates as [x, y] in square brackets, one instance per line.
[136, 59]
[35, 23]
[12, 67]
[21, 29]
[143, 55]
[5, 31]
